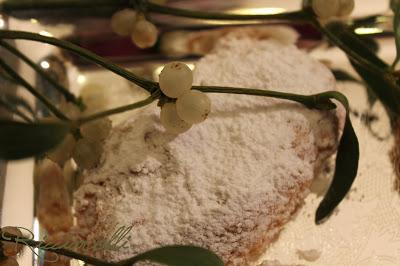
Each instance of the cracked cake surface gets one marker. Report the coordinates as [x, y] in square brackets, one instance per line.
[230, 183]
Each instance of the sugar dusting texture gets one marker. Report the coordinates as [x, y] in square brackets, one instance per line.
[228, 184]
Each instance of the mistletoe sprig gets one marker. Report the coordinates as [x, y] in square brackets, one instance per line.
[169, 255]
[20, 140]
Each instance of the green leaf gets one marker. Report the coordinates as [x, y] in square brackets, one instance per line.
[342, 75]
[350, 39]
[324, 103]
[178, 256]
[382, 88]
[369, 84]
[396, 28]
[346, 168]
[382, 85]
[345, 172]
[369, 42]
[19, 140]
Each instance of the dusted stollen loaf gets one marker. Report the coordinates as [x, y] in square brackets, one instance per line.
[230, 183]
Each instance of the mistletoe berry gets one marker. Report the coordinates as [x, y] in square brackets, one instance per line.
[70, 110]
[87, 154]
[144, 34]
[63, 151]
[123, 22]
[175, 79]
[97, 130]
[171, 121]
[325, 9]
[346, 7]
[193, 107]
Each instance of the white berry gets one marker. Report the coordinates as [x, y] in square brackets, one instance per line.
[123, 22]
[325, 8]
[70, 110]
[97, 130]
[87, 154]
[176, 78]
[171, 121]
[63, 151]
[144, 34]
[53, 200]
[95, 98]
[193, 107]
[346, 7]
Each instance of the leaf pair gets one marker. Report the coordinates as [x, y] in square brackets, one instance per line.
[381, 83]
[384, 86]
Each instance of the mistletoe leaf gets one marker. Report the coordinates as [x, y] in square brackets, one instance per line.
[347, 159]
[341, 75]
[395, 5]
[20, 140]
[178, 256]
[343, 33]
[382, 85]
[345, 172]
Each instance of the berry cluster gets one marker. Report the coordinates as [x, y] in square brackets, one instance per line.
[56, 176]
[128, 22]
[85, 149]
[191, 106]
[10, 250]
[326, 9]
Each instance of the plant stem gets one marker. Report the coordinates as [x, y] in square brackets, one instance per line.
[308, 101]
[7, 78]
[61, 251]
[21, 5]
[14, 75]
[352, 54]
[14, 110]
[318, 101]
[395, 63]
[145, 84]
[121, 109]
[67, 94]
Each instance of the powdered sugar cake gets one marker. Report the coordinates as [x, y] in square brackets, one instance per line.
[228, 184]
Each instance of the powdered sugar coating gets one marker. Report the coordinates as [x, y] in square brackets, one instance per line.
[231, 182]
